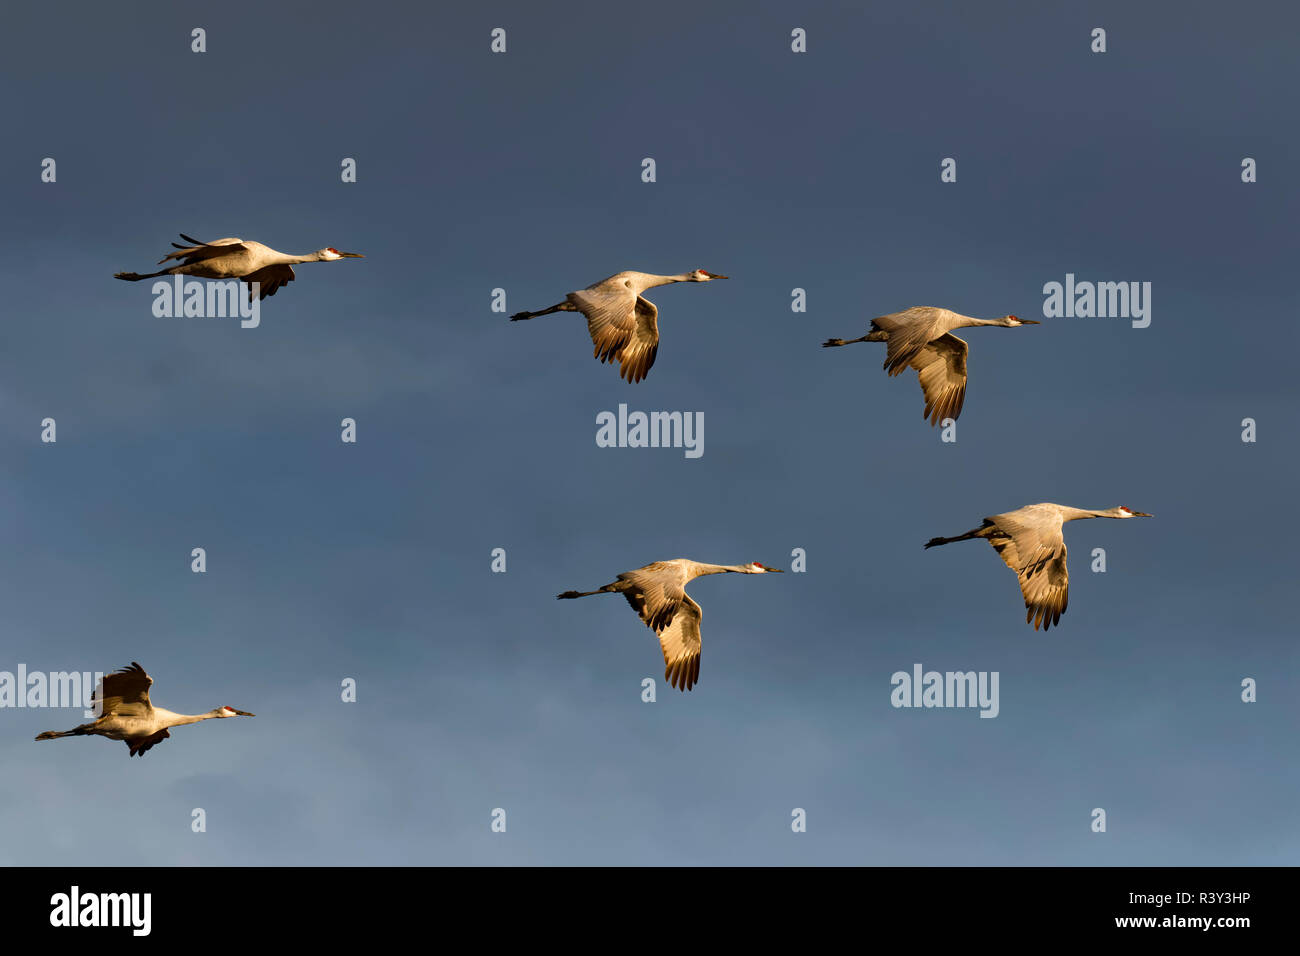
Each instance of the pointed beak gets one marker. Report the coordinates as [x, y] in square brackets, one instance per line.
[714, 275]
[243, 713]
[1030, 322]
[774, 570]
[346, 255]
[1142, 514]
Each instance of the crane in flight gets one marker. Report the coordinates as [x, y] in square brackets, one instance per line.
[237, 259]
[129, 715]
[922, 338]
[657, 593]
[623, 324]
[1031, 542]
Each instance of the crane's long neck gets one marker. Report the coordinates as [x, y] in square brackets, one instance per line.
[653, 280]
[288, 260]
[969, 322]
[703, 569]
[171, 719]
[1074, 514]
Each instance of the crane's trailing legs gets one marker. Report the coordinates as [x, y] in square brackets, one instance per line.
[562, 307]
[75, 732]
[982, 532]
[136, 277]
[607, 589]
[876, 336]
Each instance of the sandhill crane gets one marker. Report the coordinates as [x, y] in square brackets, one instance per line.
[657, 592]
[622, 323]
[1031, 542]
[237, 259]
[128, 714]
[922, 338]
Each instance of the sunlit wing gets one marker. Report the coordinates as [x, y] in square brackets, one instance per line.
[1038, 556]
[941, 367]
[657, 593]
[680, 642]
[203, 250]
[125, 692]
[623, 328]
[909, 332]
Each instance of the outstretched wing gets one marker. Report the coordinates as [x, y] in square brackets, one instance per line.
[1046, 588]
[941, 367]
[909, 332]
[656, 593]
[680, 642]
[1037, 553]
[138, 745]
[623, 326]
[270, 278]
[125, 692]
[199, 251]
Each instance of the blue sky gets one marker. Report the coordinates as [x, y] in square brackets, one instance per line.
[522, 171]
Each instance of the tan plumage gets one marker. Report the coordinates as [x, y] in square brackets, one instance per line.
[921, 338]
[941, 367]
[234, 258]
[622, 323]
[623, 334]
[657, 592]
[1030, 540]
[125, 692]
[127, 713]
